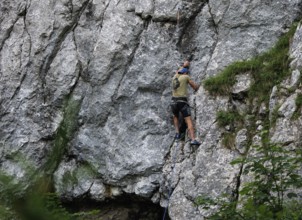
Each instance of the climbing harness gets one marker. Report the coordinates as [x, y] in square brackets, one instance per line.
[175, 101]
[172, 175]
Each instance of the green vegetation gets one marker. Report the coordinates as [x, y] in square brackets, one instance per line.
[6, 213]
[233, 120]
[228, 118]
[10, 190]
[271, 193]
[225, 118]
[274, 115]
[298, 102]
[19, 200]
[87, 215]
[229, 140]
[64, 134]
[43, 207]
[32, 196]
[69, 178]
[273, 171]
[267, 70]
[85, 170]
[222, 83]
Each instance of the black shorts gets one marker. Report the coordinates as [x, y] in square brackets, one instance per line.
[182, 106]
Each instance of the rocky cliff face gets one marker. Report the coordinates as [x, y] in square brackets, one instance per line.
[85, 90]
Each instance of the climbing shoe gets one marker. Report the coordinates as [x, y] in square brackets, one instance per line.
[194, 142]
[177, 136]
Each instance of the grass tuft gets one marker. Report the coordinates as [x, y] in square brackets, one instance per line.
[267, 70]
[228, 118]
[298, 102]
[229, 140]
[64, 134]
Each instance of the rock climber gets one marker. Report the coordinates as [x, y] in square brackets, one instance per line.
[179, 104]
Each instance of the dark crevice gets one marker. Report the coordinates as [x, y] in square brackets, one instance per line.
[28, 4]
[144, 173]
[130, 60]
[193, 155]
[236, 191]
[192, 200]
[118, 2]
[100, 27]
[85, 75]
[178, 180]
[213, 19]
[87, 193]
[147, 23]
[167, 192]
[215, 28]
[168, 155]
[8, 33]
[22, 11]
[250, 25]
[57, 45]
[103, 14]
[70, 5]
[26, 66]
[126, 69]
[195, 110]
[228, 7]
[149, 18]
[124, 207]
[18, 87]
[185, 25]
[153, 1]
[79, 65]
[26, 30]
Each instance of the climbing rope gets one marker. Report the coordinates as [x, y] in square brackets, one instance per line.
[177, 141]
[172, 175]
[178, 18]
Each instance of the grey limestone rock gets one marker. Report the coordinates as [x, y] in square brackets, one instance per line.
[288, 108]
[243, 83]
[295, 50]
[116, 58]
[241, 141]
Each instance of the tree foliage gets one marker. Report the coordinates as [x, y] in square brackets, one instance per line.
[271, 193]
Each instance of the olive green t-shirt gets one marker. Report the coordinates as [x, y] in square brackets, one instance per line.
[180, 85]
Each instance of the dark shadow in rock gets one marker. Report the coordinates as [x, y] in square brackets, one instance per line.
[128, 207]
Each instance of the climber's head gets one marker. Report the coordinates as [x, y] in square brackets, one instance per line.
[186, 64]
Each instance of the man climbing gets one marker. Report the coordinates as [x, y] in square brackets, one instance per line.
[180, 104]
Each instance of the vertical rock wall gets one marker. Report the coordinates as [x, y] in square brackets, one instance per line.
[116, 59]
